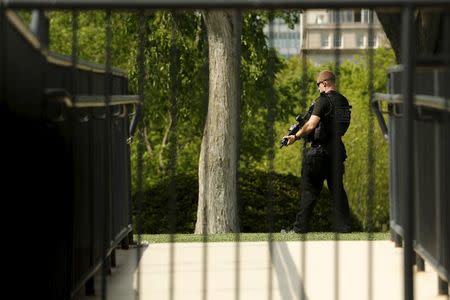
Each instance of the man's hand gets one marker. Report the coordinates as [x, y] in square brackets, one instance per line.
[290, 138]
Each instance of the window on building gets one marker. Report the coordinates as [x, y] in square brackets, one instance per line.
[335, 17]
[282, 38]
[373, 41]
[320, 19]
[359, 40]
[348, 16]
[337, 41]
[324, 41]
[357, 16]
[293, 44]
[342, 16]
[367, 16]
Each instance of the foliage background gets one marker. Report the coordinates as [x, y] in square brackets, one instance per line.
[294, 90]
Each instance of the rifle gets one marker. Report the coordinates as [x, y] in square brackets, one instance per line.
[296, 127]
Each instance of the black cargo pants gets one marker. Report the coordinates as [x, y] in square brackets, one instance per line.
[318, 165]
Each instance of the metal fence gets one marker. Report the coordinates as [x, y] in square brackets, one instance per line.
[431, 166]
[90, 133]
[67, 161]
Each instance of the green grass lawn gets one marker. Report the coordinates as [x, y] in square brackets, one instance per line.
[257, 237]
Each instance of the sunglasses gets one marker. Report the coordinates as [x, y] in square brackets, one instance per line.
[318, 83]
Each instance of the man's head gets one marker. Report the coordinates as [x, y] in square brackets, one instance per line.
[326, 81]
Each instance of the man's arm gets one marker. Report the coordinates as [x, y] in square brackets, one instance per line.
[309, 126]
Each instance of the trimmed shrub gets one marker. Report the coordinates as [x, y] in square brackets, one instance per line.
[259, 208]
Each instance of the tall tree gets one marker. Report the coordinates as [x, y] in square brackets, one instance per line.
[217, 207]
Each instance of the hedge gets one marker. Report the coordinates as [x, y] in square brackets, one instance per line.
[255, 213]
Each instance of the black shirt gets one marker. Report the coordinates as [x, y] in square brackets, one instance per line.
[323, 108]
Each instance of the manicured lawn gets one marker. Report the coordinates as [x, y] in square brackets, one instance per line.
[257, 237]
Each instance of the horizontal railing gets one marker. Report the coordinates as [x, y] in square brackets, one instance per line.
[205, 4]
[428, 101]
[53, 57]
[80, 101]
[395, 101]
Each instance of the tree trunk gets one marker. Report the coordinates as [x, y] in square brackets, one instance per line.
[217, 201]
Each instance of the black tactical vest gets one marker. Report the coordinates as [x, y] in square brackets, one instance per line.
[340, 115]
[335, 122]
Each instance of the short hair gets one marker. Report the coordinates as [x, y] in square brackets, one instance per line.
[326, 75]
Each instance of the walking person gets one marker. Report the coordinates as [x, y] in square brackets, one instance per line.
[325, 155]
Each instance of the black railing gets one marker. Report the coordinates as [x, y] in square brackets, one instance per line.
[68, 160]
[431, 144]
[206, 4]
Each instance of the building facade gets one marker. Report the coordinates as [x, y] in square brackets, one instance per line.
[286, 40]
[328, 32]
[321, 34]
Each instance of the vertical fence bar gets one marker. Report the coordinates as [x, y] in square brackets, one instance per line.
[370, 156]
[335, 168]
[237, 34]
[74, 55]
[3, 54]
[205, 164]
[173, 151]
[270, 154]
[438, 171]
[444, 201]
[303, 105]
[90, 285]
[140, 149]
[407, 55]
[71, 128]
[107, 173]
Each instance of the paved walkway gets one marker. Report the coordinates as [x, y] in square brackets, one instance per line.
[295, 270]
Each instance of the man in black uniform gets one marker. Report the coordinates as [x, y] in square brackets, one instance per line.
[324, 159]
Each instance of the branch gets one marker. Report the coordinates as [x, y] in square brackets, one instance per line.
[164, 143]
[147, 142]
